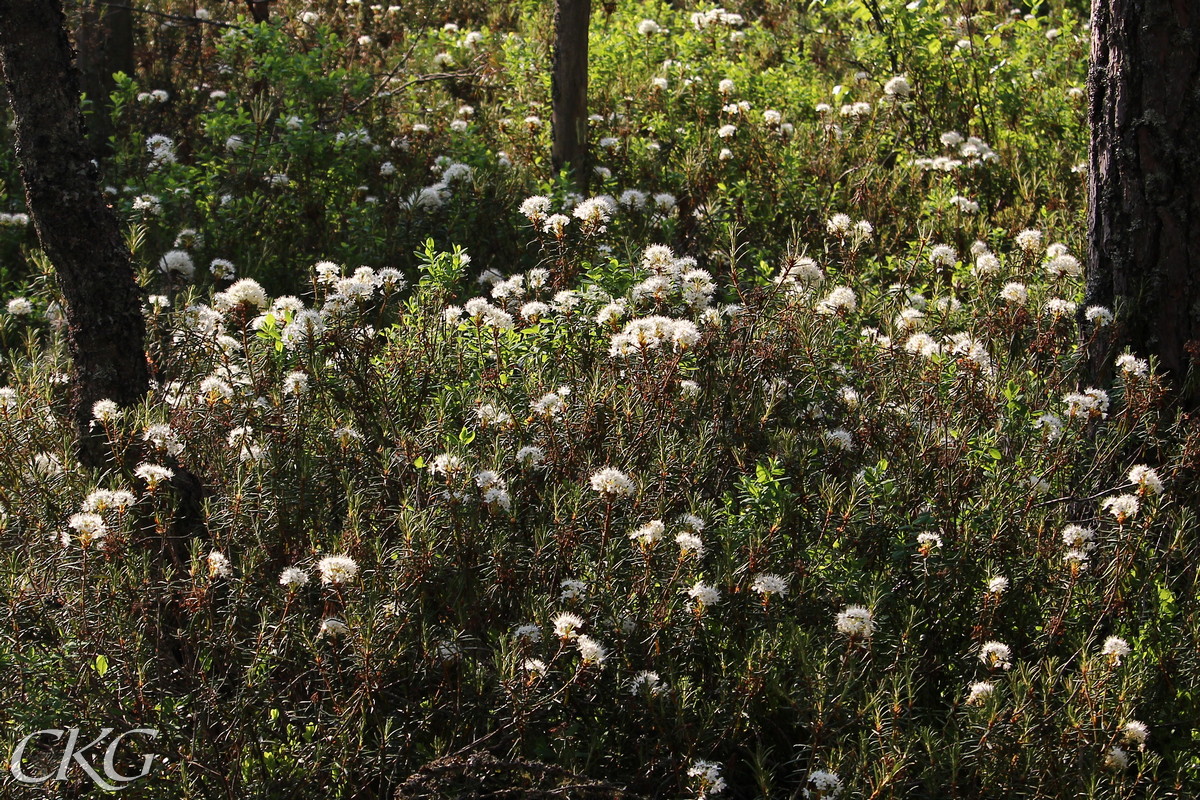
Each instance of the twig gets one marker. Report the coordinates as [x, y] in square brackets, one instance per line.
[400, 62]
[433, 76]
[1100, 493]
[165, 15]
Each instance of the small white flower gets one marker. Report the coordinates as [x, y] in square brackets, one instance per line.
[177, 263]
[1064, 265]
[897, 87]
[572, 589]
[1123, 507]
[218, 565]
[20, 307]
[1029, 240]
[612, 483]
[566, 625]
[1135, 732]
[591, 651]
[768, 584]
[1132, 366]
[823, 785]
[841, 299]
[707, 773]
[1115, 648]
[530, 456]
[1099, 316]
[88, 528]
[927, 542]
[528, 633]
[153, 474]
[855, 622]
[1015, 293]
[293, 578]
[534, 667]
[337, 570]
[649, 534]
[979, 692]
[839, 439]
[839, 224]
[447, 464]
[704, 595]
[105, 411]
[1078, 537]
[1147, 480]
[333, 628]
[1076, 561]
[996, 655]
[690, 545]
[295, 383]
[1090, 403]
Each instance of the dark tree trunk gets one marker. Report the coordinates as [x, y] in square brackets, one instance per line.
[77, 230]
[104, 40]
[1144, 182]
[260, 9]
[568, 87]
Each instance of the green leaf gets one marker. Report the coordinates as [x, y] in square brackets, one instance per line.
[101, 665]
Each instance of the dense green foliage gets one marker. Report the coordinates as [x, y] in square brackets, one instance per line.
[865, 520]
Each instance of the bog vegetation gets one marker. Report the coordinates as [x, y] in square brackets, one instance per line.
[761, 466]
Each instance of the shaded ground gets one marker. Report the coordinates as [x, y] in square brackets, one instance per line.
[482, 776]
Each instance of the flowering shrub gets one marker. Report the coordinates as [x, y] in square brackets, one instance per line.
[762, 475]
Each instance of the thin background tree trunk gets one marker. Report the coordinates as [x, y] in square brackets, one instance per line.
[1144, 181]
[78, 231]
[568, 88]
[104, 39]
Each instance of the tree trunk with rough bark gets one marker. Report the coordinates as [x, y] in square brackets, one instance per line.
[78, 231]
[568, 87]
[104, 40]
[1144, 183]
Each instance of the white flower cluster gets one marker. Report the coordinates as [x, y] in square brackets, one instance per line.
[716, 16]
[651, 333]
[843, 227]
[612, 483]
[162, 150]
[971, 151]
[1091, 403]
[857, 622]
[708, 778]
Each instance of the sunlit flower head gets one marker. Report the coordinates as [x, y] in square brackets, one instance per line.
[293, 578]
[612, 483]
[823, 785]
[1147, 480]
[337, 570]
[591, 651]
[566, 625]
[979, 692]
[855, 622]
[1123, 507]
[769, 584]
[996, 655]
[1115, 648]
[704, 595]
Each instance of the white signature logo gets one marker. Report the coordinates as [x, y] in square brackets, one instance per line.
[74, 753]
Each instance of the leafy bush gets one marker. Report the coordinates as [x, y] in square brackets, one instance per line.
[766, 474]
